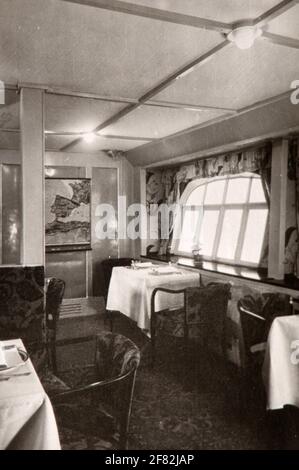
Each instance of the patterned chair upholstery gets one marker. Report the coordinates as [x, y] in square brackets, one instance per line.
[22, 315]
[203, 316]
[54, 297]
[257, 312]
[102, 406]
[22, 307]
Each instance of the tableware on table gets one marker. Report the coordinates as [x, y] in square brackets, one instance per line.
[4, 378]
[14, 358]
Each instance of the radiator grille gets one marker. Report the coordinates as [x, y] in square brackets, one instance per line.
[72, 308]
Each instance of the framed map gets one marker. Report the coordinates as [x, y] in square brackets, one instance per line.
[67, 214]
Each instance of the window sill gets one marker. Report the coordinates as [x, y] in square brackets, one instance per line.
[251, 274]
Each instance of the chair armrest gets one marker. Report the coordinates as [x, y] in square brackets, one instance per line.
[259, 347]
[69, 341]
[63, 396]
[248, 312]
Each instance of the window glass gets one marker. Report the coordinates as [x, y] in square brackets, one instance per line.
[215, 192]
[230, 233]
[196, 197]
[208, 231]
[254, 235]
[214, 214]
[257, 193]
[189, 229]
[237, 191]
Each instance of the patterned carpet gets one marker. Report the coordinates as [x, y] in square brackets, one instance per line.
[188, 401]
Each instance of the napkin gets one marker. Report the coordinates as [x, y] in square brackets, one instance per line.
[165, 270]
[3, 361]
[143, 265]
[8, 357]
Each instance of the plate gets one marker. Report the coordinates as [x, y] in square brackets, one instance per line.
[23, 355]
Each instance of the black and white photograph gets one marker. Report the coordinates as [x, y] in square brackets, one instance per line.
[149, 227]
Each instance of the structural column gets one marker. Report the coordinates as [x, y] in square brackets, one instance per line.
[278, 207]
[32, 151]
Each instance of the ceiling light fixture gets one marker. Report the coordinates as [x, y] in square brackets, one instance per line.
[89, 138]
[244, 36]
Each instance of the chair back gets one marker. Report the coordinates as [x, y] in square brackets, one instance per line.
[257, 312]
[206, 310]
[117, 359]
[22, 303]
[116, 356]
[54, 297]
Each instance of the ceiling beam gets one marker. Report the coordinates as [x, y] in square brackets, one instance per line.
[274, 12]
[187, 106]
[181, 72]
[82, 134]
[92, 96]
[224, 117]
[155, 14]
[116, 99]
[122, 113]
[281, 40]
[155, 90]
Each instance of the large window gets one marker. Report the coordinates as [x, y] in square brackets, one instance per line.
[226, 217]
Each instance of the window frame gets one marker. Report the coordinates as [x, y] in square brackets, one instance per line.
[222, 208]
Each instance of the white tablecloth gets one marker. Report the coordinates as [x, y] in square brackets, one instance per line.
[281, 365]
[27, 420]
[130, 291]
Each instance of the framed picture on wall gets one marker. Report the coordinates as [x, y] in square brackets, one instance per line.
[67, 214]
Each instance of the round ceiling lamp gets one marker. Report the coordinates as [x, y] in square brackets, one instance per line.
[244, 36]
[89, 138]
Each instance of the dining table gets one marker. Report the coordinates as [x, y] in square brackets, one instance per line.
[281, 363]
[131, 288]
[27, 420]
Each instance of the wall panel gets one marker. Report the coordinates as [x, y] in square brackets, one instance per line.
[104, 191]
[11, 214]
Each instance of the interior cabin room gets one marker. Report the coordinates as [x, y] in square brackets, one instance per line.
[149, 208]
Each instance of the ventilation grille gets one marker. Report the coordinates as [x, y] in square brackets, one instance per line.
[74, 308]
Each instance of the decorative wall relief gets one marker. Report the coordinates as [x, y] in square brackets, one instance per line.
[67, 214]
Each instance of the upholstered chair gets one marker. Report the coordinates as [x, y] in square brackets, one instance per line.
[99, 406]
[202, 316]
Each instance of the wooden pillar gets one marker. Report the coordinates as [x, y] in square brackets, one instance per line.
[32, 151]
[277, 227]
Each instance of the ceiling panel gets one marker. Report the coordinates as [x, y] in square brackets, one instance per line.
[154, 122]
[9, 140]
[238, 78]
[70, 114]
[10, 110]
[56, 142]
[101, 143]
[227, 11]
[92, 50]
[286, 24]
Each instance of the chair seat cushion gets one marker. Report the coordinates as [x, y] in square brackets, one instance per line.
[91, 420]
[53, 384]
[171, 322]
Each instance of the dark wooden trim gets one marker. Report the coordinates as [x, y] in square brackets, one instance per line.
[65, 248]
[155, 14]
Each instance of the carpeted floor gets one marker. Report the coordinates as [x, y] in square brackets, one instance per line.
[188, 401]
